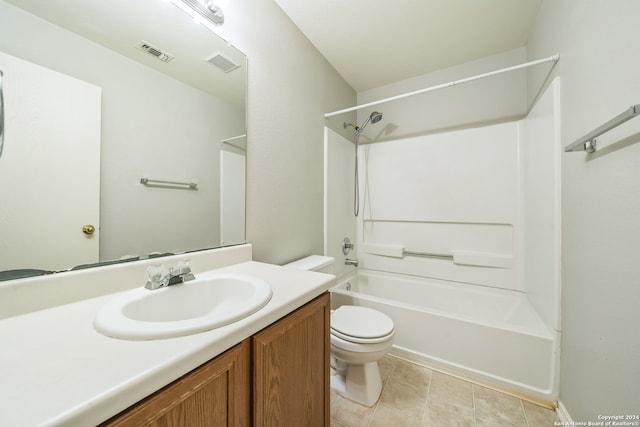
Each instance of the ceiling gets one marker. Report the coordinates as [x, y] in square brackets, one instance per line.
[121, 24]
[372, 43]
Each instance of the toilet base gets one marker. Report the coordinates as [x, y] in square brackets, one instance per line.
[361, 383]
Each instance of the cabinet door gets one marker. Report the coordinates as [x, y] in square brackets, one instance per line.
[215, 394]
[291, 369]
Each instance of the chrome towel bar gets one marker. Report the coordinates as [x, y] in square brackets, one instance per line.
[176, 184]
[588, 142]
[428, 254]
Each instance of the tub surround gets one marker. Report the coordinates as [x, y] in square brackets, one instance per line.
[488, 193]
[60, 371]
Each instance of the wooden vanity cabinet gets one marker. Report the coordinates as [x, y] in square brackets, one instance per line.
[291, 368]
[215, 394]
[278, 377]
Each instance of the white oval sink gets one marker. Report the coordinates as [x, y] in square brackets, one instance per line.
[210, 301]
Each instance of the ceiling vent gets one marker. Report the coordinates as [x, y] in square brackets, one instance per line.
[222, 62]
[154, 51]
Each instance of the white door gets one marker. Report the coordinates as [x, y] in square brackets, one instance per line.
[232, 205]
[49, 169]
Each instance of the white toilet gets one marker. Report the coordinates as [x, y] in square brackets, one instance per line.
[360, 336]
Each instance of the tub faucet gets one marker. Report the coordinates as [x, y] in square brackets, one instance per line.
[159, 279]
[353, 262]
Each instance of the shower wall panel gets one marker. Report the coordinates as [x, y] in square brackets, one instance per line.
[444, 194]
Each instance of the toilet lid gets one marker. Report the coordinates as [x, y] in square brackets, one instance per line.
[361, 323]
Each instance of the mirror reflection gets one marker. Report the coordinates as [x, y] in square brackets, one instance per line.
[99, 97]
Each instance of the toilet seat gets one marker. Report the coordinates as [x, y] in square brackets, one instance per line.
[371, 349]
[361, 325]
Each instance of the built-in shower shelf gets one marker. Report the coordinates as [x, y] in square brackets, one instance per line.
[479, 259]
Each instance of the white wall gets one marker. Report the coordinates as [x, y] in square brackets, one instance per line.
[134, 94]
[233, 173]
[599, 66]
[291, 86]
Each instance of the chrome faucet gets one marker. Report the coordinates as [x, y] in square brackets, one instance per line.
[157, 278]
[353, 262]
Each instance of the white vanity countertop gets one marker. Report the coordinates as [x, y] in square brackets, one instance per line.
[57, 370]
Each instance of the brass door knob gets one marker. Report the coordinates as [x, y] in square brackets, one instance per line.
[88, 229]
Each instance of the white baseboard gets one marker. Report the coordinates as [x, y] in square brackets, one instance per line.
[563, 414]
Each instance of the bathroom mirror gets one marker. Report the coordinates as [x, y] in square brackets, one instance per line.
[125, 133]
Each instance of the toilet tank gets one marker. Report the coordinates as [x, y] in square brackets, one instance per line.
[319, 263]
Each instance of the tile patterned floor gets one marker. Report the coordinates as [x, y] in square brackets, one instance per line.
[416, 396]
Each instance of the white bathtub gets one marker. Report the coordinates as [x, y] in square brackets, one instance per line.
[489, 335]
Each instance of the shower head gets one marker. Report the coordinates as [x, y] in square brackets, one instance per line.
[374, 117]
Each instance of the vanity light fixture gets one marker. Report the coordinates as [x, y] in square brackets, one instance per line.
[211, 10]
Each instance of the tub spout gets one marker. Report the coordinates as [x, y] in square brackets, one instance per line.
[353, 262]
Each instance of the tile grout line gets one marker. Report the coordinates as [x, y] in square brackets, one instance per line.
[426, 401]
[384, 384]
[473, 399]
[524, 413]
[373, 414]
